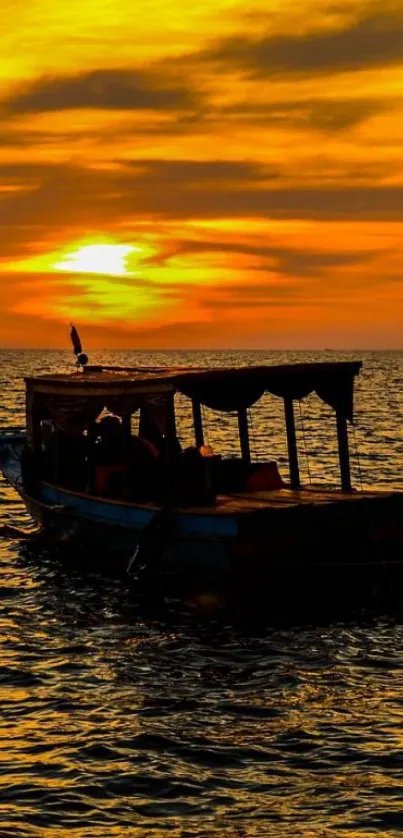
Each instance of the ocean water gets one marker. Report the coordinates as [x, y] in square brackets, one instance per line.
[126, 716]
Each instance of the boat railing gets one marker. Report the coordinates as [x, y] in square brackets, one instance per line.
[11, 431]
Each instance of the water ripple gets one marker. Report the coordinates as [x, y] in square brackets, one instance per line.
[127, 717]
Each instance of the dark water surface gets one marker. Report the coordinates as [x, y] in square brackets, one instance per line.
[126, 717]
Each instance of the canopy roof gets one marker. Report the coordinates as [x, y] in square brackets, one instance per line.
[221, 388]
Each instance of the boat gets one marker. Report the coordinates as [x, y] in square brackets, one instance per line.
[90, 481]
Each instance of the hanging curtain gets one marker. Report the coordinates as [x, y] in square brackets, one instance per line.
[73, 414]
[231, 390]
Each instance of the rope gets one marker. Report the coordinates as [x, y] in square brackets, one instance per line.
[205, 425]
[374, 549]
[304, 443]
[358, 458]
[372, 535]
[252, 434]
[153, 541]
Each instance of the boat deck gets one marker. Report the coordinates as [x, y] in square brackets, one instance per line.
[246, 502]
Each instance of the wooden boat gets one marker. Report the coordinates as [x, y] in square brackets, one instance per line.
[193, 513]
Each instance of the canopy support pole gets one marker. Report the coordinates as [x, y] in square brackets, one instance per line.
[344, 455]
[171, 448]
[33, 423]
[244, 434]
[91, 439]
[171, 426]
[292, 443]
[197, 423]
[127, 433]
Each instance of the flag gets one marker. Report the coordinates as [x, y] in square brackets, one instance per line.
[75, 339]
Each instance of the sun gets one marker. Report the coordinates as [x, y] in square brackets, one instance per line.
[89, 256]
[104, 259]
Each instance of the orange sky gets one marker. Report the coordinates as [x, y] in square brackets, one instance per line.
[210, 174]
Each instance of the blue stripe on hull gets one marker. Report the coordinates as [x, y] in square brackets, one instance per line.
[136, 517]
[116, 529]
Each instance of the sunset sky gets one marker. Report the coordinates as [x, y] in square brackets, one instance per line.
[205, 174]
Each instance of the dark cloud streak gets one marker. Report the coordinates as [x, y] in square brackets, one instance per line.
[68, 195]
[374, 41]
[101, 89]
[285, 260]
[194, 172]
[325, 115]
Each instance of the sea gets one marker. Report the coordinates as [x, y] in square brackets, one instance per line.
[125, 714]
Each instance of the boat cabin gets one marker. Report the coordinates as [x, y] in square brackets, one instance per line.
[80, 433]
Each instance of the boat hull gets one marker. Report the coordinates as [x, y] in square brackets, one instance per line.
[305, 546]
[317, 554]
[115, 537]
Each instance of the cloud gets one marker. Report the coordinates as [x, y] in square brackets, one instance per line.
[102, 89]
[196, 172]
[26, 173]
[70, 196]
[375, 40]
[260, 295]
[326, 115]
[63, 194]
[242, 199]
[283, 260]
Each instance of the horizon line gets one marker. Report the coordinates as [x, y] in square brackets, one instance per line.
[206, 349]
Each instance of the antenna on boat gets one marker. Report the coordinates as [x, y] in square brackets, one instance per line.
[82, 358]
